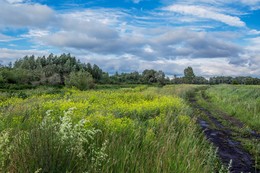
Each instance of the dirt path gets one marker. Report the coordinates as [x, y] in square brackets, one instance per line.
[221, 137]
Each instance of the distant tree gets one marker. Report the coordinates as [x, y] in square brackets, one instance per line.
[160, 77]
[10, 65]
[149, 76]
[200, 80]
[16, 76]
[65, 69]
[82, 80]
[133, 77]
[105, 78]
[88, 68]
[96, 72]
[2, 80]
[65, 64]
[189, 75]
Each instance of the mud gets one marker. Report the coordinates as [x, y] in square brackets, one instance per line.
[221, 137]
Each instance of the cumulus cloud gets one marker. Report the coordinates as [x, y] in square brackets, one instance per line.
[203, 12]
[204, 67]
[254, 32]
[250, 59]
[24, 15]
[89, 31]
[118, 41]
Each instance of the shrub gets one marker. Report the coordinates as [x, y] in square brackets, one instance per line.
[82, 80]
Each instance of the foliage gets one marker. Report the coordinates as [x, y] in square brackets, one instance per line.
[234, 80]
[81, 80]
[189, 75]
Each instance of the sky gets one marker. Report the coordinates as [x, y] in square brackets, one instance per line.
[214, 37]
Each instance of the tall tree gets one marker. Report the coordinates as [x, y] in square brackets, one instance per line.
[189, 75]
[149, 76]
[160, 77]
[96, 72]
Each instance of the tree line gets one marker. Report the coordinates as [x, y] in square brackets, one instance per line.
[67, 70]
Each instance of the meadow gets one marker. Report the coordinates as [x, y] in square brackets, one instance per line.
[135, 129]
[240, 101]
[237, 107]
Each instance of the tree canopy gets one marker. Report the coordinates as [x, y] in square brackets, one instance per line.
[67, 70]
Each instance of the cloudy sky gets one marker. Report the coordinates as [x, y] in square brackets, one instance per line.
[215, 37]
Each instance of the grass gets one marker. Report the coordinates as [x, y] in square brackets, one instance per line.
[240, 102]
[137, 129]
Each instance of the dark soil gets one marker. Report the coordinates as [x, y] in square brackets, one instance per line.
[230, 151]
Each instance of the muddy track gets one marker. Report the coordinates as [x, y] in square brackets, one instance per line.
[221, 137]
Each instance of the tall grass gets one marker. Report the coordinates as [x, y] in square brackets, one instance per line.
[52, 147]
[176, 147]
[101, 131]
[242, 102]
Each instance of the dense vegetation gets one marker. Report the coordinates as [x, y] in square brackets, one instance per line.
[140, 129]
[65, 69]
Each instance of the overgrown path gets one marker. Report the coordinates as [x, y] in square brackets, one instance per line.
[223, 135]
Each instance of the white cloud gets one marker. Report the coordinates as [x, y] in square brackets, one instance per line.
[222, 3]
[118, 41]
[204, 12]
[24, 15]
[15, 1]
[254, 32]
[203, 67]
[250, 2]
[5, 38]
[8, 55]
[36, 33]
[148, 49]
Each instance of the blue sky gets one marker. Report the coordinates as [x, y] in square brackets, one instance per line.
[215, 37]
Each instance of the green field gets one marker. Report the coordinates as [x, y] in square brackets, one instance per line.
[133, 128]
[242, 102]
[137, 129]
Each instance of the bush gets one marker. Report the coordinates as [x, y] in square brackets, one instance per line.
[82, 80]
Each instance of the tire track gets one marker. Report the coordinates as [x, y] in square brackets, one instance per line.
[229, 150]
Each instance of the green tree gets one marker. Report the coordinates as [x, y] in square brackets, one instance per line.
[149, 76]
[2, 80]
[160, 77]
[189, 75]
[96, 72]
[82, 80]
